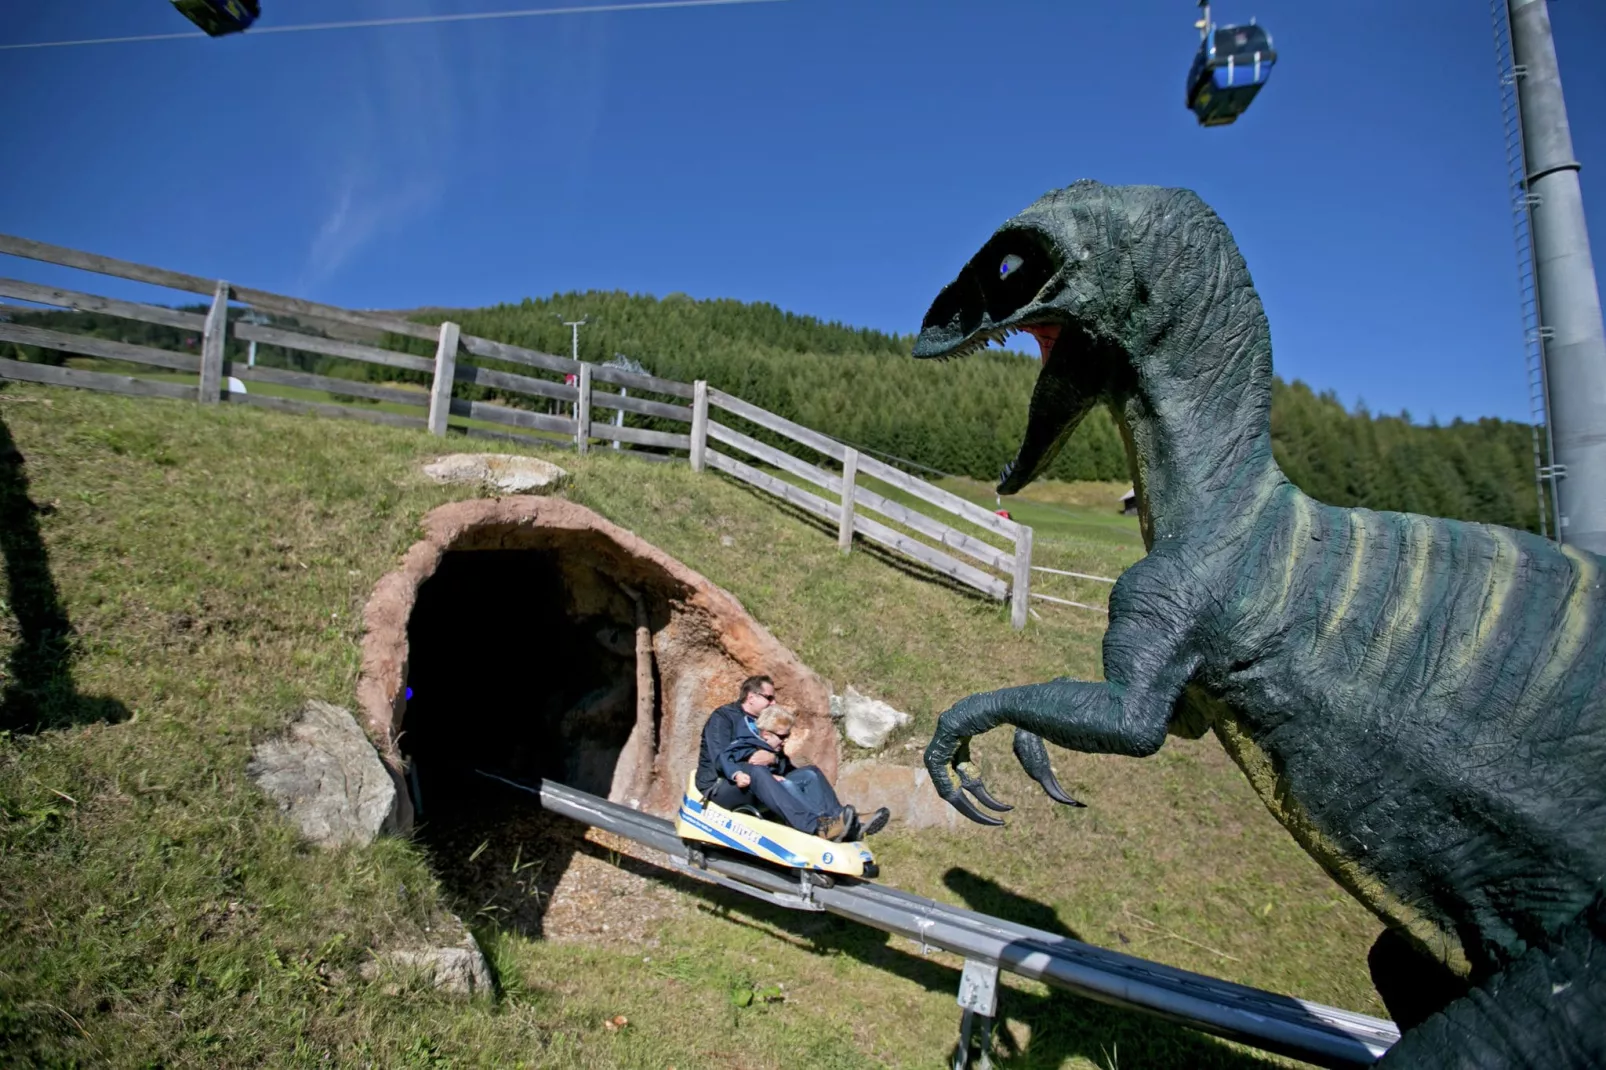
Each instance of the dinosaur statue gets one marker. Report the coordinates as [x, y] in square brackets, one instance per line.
[1421, 702]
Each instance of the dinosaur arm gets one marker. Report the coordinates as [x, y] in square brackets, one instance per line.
[1148, 662]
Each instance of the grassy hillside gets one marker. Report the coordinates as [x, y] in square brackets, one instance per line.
[964, 417]
[178, 580]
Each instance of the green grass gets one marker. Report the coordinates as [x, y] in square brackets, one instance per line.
[213, 563]
[301, 393]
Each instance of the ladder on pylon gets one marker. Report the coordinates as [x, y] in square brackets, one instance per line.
[1534, 334]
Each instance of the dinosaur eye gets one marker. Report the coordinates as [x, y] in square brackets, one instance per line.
[1010, 265]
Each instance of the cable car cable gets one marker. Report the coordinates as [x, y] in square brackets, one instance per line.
[407, 20]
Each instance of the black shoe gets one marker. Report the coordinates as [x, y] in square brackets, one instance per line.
[878, 821]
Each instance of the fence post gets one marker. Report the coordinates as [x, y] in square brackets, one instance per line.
[619, 418]
[582, 411]
[1021, 591]
[440, 395]
[699, 423]
[850, 472]
[212, 338]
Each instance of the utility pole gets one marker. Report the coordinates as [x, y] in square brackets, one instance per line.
[574, 330]
[574, 349]
[253, 316]
[1571, 335]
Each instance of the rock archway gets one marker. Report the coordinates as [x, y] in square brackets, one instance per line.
[541, 639]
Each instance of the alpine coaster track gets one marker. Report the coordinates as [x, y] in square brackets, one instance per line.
[1322, 1035]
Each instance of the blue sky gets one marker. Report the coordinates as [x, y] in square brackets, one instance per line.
[840, 158]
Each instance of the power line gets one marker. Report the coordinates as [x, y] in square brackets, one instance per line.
[411, 20]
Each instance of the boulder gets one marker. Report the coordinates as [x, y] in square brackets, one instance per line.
[459, 968]
[326, 776]
[866, 721]
[501, 472]
[903, 789]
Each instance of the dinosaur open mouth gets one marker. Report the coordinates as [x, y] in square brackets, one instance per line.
[1049, 418]
[1057, 404]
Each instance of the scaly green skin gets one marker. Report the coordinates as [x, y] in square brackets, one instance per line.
[1421, 702]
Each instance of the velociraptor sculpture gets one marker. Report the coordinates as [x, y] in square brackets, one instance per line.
[1421, 702]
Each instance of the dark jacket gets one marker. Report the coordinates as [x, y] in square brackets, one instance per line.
[743, 745]
[722, 727]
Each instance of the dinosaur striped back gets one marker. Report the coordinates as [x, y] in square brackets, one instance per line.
[1484, 621]
[1433, 692]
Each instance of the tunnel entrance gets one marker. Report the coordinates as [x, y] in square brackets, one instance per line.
[529, 637]
[504, 678]
[508, 675]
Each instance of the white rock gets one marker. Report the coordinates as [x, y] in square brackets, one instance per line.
[461, 969]
[866, 721]
[503, 472]
[326, 776]
[905, 790]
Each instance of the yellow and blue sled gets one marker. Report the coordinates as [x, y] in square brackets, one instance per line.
[701, 822]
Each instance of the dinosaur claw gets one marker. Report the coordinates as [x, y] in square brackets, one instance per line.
[1032, 754]
[947, 752]
[974, 785]
[958, 801]
[1052, 789]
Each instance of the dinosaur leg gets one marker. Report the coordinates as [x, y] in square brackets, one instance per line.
[1412, 985]
[1545, 1010]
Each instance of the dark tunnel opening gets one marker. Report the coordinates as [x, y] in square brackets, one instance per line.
[506, 676]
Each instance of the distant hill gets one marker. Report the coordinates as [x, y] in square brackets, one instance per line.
[965, 417]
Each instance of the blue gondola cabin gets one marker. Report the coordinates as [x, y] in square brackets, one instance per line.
[1232, 64]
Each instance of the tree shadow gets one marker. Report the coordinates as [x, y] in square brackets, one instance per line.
[37, 692]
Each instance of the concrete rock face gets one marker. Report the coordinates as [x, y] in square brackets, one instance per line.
[703, 642]
[866, 721]
[458, 968]
[500, 472]
[903, 789]
[326, 777]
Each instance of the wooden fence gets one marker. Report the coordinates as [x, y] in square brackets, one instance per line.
[1000, 572]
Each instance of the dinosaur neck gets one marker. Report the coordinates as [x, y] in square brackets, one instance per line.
[1200, 446]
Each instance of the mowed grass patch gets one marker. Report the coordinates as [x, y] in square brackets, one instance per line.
[213, 563]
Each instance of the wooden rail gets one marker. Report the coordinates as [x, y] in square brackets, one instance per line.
[51, 295]
[137, 386]
[998, 572]
[330, 347]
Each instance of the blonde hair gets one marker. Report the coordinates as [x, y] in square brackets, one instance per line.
[775, 719]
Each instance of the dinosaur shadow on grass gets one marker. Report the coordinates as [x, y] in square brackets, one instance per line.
[1045, 1031]
[37, 691]
[1031, 1031]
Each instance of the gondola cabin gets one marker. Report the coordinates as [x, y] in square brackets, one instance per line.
[219, 17]
[1232, 64]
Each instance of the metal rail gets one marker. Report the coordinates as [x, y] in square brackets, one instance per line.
[1325, 1036]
